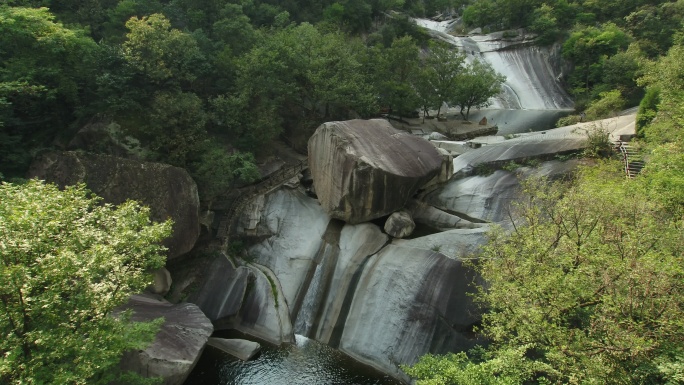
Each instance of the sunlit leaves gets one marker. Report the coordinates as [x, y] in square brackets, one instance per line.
[67, 261]
[160, 52]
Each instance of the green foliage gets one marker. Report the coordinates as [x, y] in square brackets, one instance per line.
[654, 26]
[568, 120]
[667, 75]
[67, 261]
[586, 288]
[176, 128]
[545, 24]
[509, 367]
[274, 289]
[664, 176]
[587, 47]
[476, 84]
[648, 109]
[399, 68]
[161, 53]
[217, 171]
[608, 105]
[598, 142]
[45, 76]
[304, 75]
[437, 80]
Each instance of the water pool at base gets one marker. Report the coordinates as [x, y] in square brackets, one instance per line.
[306, 362]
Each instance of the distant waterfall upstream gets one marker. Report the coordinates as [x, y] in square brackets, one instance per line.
[532, 97]
[532, 82]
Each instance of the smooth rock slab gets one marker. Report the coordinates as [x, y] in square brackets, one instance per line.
[409, 302]
[178, 344]
[241, 349]
[490, 198]
[246, 298]
[366, 169]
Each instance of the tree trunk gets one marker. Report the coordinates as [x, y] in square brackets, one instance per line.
[467, 112]
[464, 117]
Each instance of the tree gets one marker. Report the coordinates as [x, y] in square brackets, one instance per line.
[437, 82]
[476, 85]
[218, 171]
[46, 74]
[161, 53]
[303, 77]
[67, 261]
[586, 48]
[608, 105]
[176, 128]
[586, 288]
[399, 69]
[667, 75]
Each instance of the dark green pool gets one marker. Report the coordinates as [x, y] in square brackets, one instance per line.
[307, 362]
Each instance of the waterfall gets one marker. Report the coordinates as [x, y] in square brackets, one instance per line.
[307, 317]
[532, 81]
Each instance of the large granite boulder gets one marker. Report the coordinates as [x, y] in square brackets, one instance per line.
[178, 344]
[169, 191]
[366, 169]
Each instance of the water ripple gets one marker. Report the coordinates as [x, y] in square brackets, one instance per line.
[306, 363]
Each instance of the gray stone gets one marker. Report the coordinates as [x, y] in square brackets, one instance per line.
[489, 198]
[162, 282]
[455, 244]
[296, 224]
[169, 191]
[366, 169]
[247, 298]
[445, 172]
[251, 216]
[241, 349]
[517, 150]
[480, 198]
[409, 302]
[222, 289]
[178, 345]
[438, 219]
[399, 224]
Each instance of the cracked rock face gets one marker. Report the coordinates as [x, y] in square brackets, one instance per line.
[366, 169]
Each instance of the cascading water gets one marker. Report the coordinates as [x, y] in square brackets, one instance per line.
[311, 304]
[532, 91]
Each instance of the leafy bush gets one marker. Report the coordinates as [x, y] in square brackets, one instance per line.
[648, 108]
[598, 142]
[608, 104]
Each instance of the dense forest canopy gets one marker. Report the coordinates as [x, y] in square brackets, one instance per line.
[203, 84]
[173, 74]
